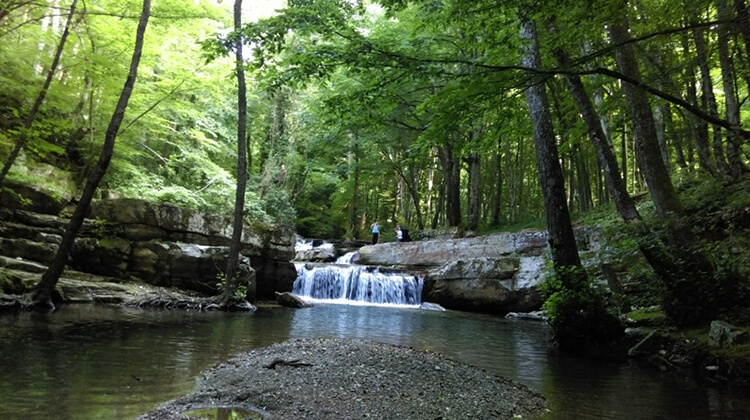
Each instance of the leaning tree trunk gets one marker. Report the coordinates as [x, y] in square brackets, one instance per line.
[233, 259]
[696, 271]
[647, 147]
[561, 237]
[661, 263]
[43, 291]
[612, 177]
[40, 98]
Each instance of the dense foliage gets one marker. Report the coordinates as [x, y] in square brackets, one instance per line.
[413, 112]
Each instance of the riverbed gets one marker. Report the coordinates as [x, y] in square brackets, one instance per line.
[108, 362]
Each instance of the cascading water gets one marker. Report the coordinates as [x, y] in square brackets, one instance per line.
[343, 282]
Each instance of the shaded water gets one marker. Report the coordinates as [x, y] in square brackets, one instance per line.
[96, 362]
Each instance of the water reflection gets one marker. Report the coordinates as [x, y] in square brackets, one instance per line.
[96, 362]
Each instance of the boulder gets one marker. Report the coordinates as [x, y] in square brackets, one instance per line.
[315, 255]
[723, 334]
[484, 295]
[292, 301]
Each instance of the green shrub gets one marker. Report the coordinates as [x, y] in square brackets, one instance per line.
[577, 311]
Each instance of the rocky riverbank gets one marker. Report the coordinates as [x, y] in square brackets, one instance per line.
[351, 379]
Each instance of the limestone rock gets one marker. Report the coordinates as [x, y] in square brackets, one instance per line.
[28, 250]
[476, 268]
[437, 252]
[160, 244]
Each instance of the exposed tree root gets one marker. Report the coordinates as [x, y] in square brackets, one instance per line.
[18, 302]
[165, 299]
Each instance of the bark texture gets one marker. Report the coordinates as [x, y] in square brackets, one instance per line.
[239, 197]
[43, 290]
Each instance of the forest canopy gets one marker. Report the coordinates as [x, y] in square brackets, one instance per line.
[402, 111]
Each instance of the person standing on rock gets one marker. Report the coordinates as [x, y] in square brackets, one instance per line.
[375, 232]
[399, 234]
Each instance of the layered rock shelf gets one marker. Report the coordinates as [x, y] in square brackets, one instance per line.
[496, 273]
[137, 241]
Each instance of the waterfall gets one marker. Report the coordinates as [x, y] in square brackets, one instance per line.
[356, 284]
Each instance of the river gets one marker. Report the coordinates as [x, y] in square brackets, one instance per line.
[101, 362]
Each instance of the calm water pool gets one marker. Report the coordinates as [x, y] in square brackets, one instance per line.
[99, 362]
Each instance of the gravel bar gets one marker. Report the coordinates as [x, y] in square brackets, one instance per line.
[352, 379]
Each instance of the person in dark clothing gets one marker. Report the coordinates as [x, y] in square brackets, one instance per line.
[405, 235]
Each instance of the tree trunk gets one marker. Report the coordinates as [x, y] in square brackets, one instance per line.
[585, 200]
[413, 187]
[40, 97]
[497, 201]
[675, 139]
[624, 155]
[708, 96]
[646, 144]
[743, 18]
[731, 106]
[698, 127]
[43, 291]
[475, 191]
[661, 136]
[354, 168]
[624, 204]
[451, 174]
[561, 238]
[511, 181]
[233, 258]
[613, 180]
[440, 205]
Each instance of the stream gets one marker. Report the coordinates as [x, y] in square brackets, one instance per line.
[109, 362]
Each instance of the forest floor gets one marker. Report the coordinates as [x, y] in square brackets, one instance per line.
[348, 379]
[686, 352]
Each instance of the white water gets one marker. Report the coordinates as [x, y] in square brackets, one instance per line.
[356, 285]
[348, 257]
